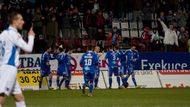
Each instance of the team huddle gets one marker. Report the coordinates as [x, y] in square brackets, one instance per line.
[90, 64]
[11, 42]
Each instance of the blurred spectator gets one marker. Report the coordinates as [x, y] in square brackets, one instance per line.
[170, 37]
[37, 20]
[156, 42]
[100, 20]
[52, 29]
[183, 39]
[181, 17]
[147, 15]
[4, 18]
[74, 21]
[114, 37]
[146, 37]
[87, 23]
[100, 37]
[66, 26]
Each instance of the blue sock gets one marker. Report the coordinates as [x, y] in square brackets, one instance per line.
[110, 82]
[124, 81]
[90, 87]
[40, 82]
[96, 82]
[118, 81]
[50, 82]
[134, 81]
[57, 81]
[66, 83]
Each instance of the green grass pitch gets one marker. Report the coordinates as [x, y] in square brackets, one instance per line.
[107, 98]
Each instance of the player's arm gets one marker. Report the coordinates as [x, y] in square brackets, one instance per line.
[19, 42]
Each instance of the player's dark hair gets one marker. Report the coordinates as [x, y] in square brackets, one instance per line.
[89, 48]
[61, 49]
[12, 16]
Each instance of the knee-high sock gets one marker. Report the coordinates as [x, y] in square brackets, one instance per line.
[50, 82]
[40, 82]
[20, 104]
[124, 81]
[110, 82]
[134, 81]
[61, 82]
[90, 87]
[96, 82]
[118, 81]
[57, 81]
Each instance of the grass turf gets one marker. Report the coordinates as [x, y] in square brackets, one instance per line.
[107, 98]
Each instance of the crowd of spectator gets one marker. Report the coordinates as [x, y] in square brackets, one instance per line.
[61, 22]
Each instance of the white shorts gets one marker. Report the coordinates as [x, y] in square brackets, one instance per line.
[8, 82]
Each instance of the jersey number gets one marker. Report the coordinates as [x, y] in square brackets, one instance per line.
[88, 62]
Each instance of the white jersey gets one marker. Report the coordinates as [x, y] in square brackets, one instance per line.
[10, 44]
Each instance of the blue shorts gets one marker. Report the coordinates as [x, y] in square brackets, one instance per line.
[45, 72]
[89, 76]
[97, 72]
[123, 70]
[113, 70]
[130, 70]
[62, 73]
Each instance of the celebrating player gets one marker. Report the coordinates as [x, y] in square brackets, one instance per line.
[112, 57]
[61, 66]
[46, 67]
[123, 66]
[10, 44]
[97, 68]
[68, 66]
[88, 62]
[132, 57]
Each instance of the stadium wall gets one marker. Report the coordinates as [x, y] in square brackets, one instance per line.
[153, 70]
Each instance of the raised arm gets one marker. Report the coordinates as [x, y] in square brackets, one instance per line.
[165, 28]
[19, 42]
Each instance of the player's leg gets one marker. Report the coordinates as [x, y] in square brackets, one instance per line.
[18, 96]
[123, 75]
[97, 78]
[91, 83]
[42, 75]
[67, 82]
[110, 72]
[62, 80]
[50, 81]
[58, 80]
[86, 79]
[133, 79]
[116, 74]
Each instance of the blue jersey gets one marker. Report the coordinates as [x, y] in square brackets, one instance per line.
[112, 57]
[89, 61]
[68, 62]
[131, 55]
[45, 58]
[61, 61]
[98, 66]
[122, 57]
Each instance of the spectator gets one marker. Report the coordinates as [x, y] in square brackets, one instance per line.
[52, 29]
[100, 37]
[37, 20]
[183, 39]
[170, 37]
[66, 26]
[181, 17]
[156, 42]
[74, 21]
[113, 37]
[146, 37]
[87, 22]
[100, 20]
[147, 15]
